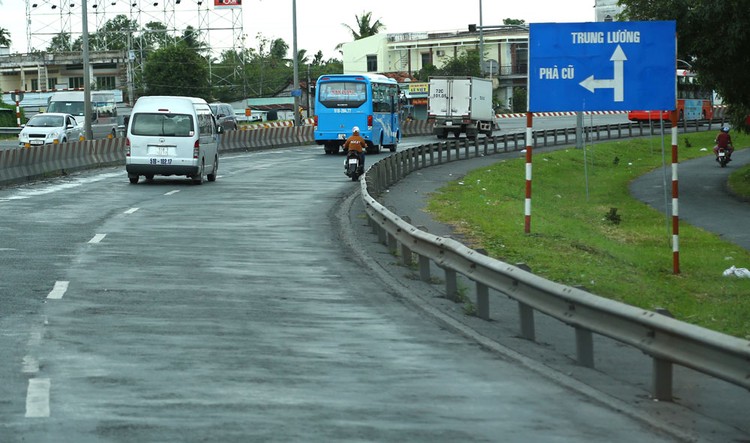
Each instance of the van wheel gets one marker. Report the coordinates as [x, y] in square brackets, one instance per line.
[212, 176]
[149, 177]
[198, 178]
[133, 179]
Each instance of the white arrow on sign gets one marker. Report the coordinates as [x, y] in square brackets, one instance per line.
[616, 83]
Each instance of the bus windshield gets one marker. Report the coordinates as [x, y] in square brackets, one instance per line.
[343, 94]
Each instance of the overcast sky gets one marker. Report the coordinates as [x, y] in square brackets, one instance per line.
[319, 22]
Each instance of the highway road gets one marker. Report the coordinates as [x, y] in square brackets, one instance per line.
[233, 311]
[507, 125]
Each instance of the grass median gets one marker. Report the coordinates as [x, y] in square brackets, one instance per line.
[603, 239]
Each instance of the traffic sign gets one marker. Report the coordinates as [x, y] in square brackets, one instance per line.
[603, 66]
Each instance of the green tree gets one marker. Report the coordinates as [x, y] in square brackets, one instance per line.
[191, 38]
[464, 64]
[177, 70]
[713, 38]
[155, 35]
[514, 22]
[4, 37]
[113, 35]
[364, 27]
[60, 43]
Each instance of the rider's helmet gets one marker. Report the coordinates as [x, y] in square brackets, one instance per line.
[725, 129]
[355, 130]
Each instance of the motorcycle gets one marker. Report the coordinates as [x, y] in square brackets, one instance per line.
[353, 168]
[722, 156]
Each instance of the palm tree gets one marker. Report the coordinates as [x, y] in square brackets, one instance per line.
[4, 37]
[364, 27]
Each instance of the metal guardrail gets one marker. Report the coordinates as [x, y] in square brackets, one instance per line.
[666, 340]
[10, 130]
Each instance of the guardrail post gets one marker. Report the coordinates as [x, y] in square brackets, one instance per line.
[399, 167]
[584, 347]
[486, 146]
[392, 243]
[424, 268]
[432, 154]
[382, 235]
[526, 320]
[662, 379]
[451, 284]
[483, 301]
[406, 257]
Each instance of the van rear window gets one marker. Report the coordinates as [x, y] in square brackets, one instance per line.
[162, 125]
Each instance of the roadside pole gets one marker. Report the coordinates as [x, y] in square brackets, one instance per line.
[675, 205]
[529, 143]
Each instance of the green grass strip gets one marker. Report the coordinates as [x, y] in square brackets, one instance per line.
[577, 240]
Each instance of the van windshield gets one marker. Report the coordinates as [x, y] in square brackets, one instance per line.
[162, 125]
[66, 107]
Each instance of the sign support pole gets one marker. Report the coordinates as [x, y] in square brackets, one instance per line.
[675, 205]
[529, 143]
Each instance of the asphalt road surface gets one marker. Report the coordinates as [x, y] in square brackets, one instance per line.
[248, 310]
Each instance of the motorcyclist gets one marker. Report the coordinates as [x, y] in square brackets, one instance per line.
[357, 144]
[724, 141]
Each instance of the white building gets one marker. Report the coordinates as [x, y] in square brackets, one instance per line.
[506, 50]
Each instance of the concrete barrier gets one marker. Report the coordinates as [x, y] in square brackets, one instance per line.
[18, 165]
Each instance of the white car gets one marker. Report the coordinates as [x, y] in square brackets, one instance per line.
[49, 128]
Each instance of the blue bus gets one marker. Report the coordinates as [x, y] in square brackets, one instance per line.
[369, 101]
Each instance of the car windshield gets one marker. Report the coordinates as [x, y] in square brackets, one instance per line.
[46, 121]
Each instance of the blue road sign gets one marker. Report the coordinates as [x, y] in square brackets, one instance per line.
[603, 66]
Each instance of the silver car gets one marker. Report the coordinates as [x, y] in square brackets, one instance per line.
[49, 128]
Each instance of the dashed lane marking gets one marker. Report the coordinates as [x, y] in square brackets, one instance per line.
[37, 398]
[97, 238]
[58, 290]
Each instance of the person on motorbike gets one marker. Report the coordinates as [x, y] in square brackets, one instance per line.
[724, 141]
[357, 144]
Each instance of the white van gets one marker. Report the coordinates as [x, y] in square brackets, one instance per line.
[172, 136]
[103, 110]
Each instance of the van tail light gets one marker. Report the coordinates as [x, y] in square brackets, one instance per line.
[369, 121]
[196, 149]
[315, 121]
[127, 147]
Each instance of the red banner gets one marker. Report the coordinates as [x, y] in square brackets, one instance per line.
[227, 4]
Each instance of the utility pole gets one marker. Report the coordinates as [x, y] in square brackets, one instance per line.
[295, 88]
[86, 74]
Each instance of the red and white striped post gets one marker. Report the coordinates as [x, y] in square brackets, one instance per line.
[675, 202]
[529, 142]
[18, 113]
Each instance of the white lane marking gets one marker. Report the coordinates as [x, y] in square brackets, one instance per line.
[172, 192]
[22, 194]
[58, 290]
[37, 398]
[131, 210]
[30, 365]
[97, 238]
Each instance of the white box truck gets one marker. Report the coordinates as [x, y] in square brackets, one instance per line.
[461, 105]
